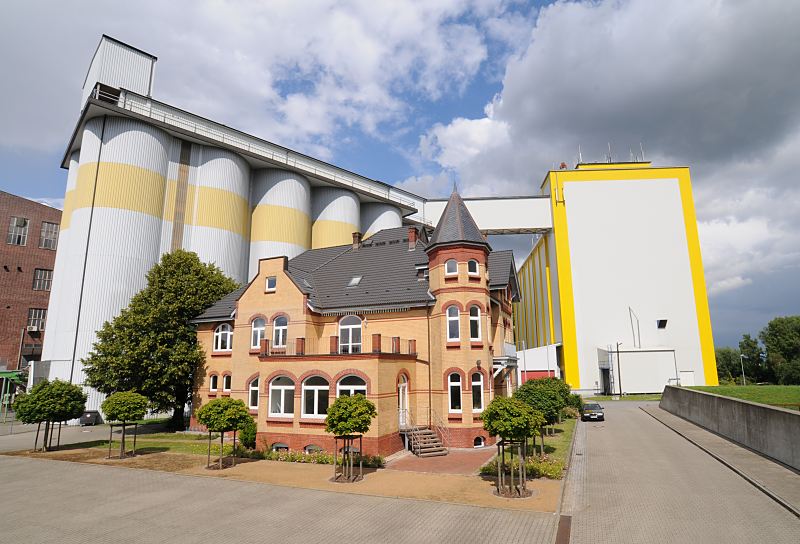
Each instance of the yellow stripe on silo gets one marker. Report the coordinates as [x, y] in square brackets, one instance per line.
[328, 233]
[220, 209]
[273, 223]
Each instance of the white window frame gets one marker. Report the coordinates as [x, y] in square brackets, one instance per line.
[280, 332]
[252, 387]
[450, 385]
[48, 237]
[257, 332]
[314, 390]
[274, 280]
[447, 271]
[478, 383]
[18, 235]
[223, 330]
[281, 391]
[213, 382]
[477, 268]
[351, 390]
[350, 346]
[226, 382]
[42, 279]
[37, 317]
[481, 440]
[476, 319]
[453, 318]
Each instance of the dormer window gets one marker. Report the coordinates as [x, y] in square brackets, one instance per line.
[472, 267]
[354, 281]
[451, 268]
[271, 284]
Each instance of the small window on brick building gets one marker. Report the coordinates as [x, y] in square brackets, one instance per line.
[42, 279]
[18, 231]
[271, 284]
[279, 446]
[451, 268]
[472, 267]
[48, 238]
[212, 382]
[312, 448]
[37, 318]
[226, 382]
[479, 442]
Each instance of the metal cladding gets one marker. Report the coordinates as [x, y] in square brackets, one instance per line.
[335, 215]
[377, 216]
[281, 219]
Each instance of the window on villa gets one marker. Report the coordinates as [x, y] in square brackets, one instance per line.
[474, 323]
[454, 391]
[472, 267]
[315, 397]
[453, 334]
[350, 334]
[223, 338]
[312, 448]
[279, 446]
[451, 267]
[477, 392]
[48, 238]
[351, 385]
[212, 382]
[253, 396]
[17, 231]
[257, 328]
[271, 284]
[281, 397]
[279, 330]
[479, 442]
[226, 382]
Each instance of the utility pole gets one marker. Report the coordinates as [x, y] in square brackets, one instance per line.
[619, 370]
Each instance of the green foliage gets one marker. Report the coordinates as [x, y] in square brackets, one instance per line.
[789, 372]
[781, 337]
[535, 467]
[224, 414]
[50, 401]
[575, 401]
[569, 412]
[728, 364]
[350, 415]
[247, 433]
[558, 385]
[545, 398]
[510, 418]
[319, 458]
[151, 346]
[125, 406]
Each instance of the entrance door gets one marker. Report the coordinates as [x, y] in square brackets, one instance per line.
[402, 401]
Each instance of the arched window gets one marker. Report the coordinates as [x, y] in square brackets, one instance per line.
[477, 392]
[253, 396]
[351, 385]
[474, 323]
[257, 329]
[223, 338]
[212, 382]
[453, 327]
[279, 446]
[350, 335]
[479, 442]
[279, 328]
[472, 267]
[451, 267]
[226, 382]
[312, 448]
[315, 397]
[281, 397]
[454, 391]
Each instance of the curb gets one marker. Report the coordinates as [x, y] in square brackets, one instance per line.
[755, 483]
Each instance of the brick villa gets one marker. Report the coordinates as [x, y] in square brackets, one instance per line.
[421, 326]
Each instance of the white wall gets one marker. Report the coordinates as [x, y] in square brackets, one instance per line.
[627, 244]
[498, 214]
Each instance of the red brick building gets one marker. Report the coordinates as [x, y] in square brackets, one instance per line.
[27, 257]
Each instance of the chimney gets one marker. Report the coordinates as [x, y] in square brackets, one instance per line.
[412, 238]
[356, 240]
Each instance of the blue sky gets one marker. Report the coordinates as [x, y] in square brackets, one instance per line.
[490, 93]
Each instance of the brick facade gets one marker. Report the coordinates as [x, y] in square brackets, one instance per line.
[19, 263]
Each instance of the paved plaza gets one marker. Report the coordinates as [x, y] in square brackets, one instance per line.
[635, 480]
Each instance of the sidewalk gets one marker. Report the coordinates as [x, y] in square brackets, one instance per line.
[779, 482]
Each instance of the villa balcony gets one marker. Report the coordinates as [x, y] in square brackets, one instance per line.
[373, 345]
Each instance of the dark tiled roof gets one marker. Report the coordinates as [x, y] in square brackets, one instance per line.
[457, 225]
[501, 268]
[223, 308]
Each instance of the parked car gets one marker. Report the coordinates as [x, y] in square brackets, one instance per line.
[593, 411]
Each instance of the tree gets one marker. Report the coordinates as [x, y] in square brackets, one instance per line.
[512, 419]
[754, 368]
[247, 434]
[545, 396]
[781, 338]
[125, 406]
[151, 347]
[350, 415]
[48, 403]
[728, 364]
[221, 416]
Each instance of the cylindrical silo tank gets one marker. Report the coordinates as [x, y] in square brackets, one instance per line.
[220, 232]
[335, 217]
[116, 211]
[281, 219]
[377, 216]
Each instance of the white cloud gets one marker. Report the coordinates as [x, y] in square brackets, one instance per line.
[52, 202]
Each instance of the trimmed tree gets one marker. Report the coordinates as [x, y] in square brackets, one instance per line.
[48, 403]
[151, 346]
[543, 398]
[124, 407]
[349, 416]
[221, 416]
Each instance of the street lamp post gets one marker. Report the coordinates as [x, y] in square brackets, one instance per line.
[742, 357]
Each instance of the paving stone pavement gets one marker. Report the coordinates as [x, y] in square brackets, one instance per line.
[56, 501]
[644, 483]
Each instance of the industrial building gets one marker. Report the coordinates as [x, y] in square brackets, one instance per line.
[145, 178]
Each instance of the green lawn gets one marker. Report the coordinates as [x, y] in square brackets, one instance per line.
[765, 394]
[652, 396]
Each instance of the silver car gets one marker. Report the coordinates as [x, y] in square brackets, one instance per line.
[593, 411]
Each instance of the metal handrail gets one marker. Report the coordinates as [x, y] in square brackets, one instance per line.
[412, 432]
[441, 428]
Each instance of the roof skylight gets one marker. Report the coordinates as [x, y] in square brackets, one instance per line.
[354, 281]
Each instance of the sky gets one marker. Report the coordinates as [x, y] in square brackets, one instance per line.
[488, 94]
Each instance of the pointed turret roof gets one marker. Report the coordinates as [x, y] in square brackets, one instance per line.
[456, 226]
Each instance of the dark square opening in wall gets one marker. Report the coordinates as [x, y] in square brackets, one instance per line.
[661, 323]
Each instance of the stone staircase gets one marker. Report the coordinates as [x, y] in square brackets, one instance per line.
[425, 442]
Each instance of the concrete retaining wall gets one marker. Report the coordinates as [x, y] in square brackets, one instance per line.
[774, 432]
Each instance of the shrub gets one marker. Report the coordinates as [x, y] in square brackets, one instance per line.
[542, 398]
[568, 412]
[575, 401]
[247, 433]
[315, 458]
[511, 418]
[125, 406]
[535, 467]
[50, 402]
[350, 415]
